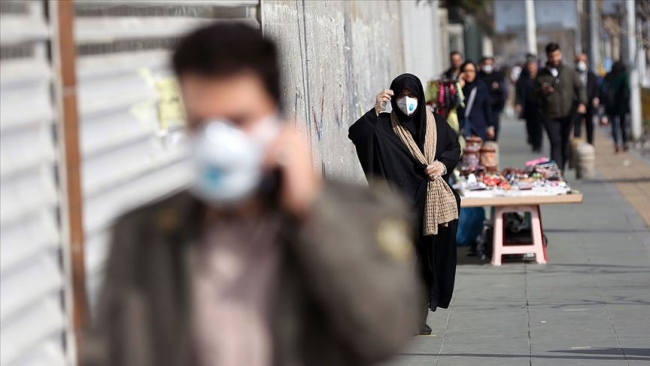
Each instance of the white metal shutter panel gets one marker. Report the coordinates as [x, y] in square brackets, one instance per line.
[32, 314]
[129, 155]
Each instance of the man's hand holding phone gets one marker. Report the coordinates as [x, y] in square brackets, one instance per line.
[383, 98]
[299, 185]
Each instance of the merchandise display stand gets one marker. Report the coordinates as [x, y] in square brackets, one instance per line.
[528, 204]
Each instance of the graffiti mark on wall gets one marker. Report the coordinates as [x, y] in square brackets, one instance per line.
[339, 117]
[318, 120]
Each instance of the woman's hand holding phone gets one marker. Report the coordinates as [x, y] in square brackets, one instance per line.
[382, 99]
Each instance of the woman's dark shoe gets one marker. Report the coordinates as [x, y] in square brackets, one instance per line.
[617, 149]
[425, 330]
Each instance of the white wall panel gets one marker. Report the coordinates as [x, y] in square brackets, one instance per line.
[25, 94]
[25, 148]
[119, 28]
[130, 157]
[33, 337]
[23, 28]
[32, 314]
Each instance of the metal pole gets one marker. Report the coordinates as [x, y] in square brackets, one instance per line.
[635, 102]
[594, 35]
[531, 27]
[578, 33]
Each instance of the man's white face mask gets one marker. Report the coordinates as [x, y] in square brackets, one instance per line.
[488, 69]
[581, 66]
[407, 105]
[228, 163]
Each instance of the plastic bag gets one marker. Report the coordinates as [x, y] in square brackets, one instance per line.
[470, 225]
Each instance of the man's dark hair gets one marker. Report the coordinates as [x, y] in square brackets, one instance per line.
[453, 53]
[224, 49]
[485, 58]
[552, 47]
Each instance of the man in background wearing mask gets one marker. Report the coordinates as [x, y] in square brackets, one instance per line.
[590, 81]
[496, 82]
[455, 62]
[558, 87]
[260, 262]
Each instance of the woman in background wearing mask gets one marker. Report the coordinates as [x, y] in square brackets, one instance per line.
[415, 151]
[477, 113]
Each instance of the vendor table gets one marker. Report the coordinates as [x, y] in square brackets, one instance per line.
[524, 203]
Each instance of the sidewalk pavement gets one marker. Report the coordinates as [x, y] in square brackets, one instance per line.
[589, 306]
[628, 172]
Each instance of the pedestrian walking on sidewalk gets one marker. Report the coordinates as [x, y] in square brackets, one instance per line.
[528, 105]
[476, 116]
[615, 96]
[455, 62]
[590, 81]
[415, 151]
[260, 262]
[558, 87]
[496, 83]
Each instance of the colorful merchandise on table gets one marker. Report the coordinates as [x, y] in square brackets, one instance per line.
[444, 96]
[541, 176]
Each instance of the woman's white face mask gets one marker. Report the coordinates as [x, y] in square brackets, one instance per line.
[407, 105]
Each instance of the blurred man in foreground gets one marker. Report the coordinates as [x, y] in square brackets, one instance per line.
[260, 262]
[558, 88]
[496, 83]
[590, 81]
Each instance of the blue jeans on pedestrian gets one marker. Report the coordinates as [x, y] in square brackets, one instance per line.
[618, 121]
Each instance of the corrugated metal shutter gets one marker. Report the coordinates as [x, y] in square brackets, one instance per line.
[32, 297]
[129, 149]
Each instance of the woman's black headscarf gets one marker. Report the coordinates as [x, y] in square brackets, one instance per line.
[417, 122]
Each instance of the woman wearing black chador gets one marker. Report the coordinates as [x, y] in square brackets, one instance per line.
[414, 151]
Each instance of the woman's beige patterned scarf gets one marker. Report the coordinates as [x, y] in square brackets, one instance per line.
[440, 207]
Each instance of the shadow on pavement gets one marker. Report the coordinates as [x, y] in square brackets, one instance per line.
[597, 230]
[614, 181]
[617, 355]
[645, 352]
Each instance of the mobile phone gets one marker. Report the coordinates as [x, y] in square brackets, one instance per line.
[270, 186]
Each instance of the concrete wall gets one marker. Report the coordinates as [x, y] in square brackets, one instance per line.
[336, 56]
[422, 43]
